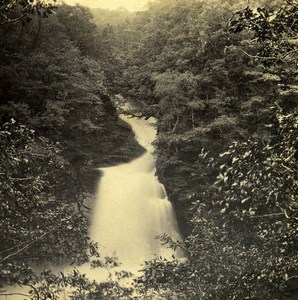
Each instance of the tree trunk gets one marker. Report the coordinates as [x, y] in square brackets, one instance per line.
[176, 124]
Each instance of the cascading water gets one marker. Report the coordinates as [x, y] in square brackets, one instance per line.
[132, 207]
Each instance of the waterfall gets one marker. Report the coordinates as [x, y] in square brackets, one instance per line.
[131, 206]
[131, 209]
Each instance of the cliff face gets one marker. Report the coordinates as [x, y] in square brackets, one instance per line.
[188, 170]
[120, 147]
[110, 142]
[176, 177]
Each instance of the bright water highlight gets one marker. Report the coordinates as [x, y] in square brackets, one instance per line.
[132, 207]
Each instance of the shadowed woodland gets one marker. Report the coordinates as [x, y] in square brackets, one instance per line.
[221, 79]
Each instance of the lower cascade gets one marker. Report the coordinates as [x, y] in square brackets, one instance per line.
[132, 208]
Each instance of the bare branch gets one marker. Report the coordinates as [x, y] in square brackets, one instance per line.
[268, 215]
[15, 20]
[28, 244]
[14, 294]
[25, 247]
[269, 57]
[32, 287]
[292, 3]
[22, 179]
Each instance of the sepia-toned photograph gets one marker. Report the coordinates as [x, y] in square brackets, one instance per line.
[149, 150]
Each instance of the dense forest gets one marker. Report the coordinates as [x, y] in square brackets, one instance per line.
[221, 79]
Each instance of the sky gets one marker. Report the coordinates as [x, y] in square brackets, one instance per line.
[131, 5]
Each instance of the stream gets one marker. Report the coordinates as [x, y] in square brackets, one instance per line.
[132, 207]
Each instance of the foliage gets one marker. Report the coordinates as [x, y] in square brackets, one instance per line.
[259, 185]
[186, 71]
[275, 30]
[72, 284]
[180, 62]
[42, 223]
[243, 244]
[185, 47]
[117, 17]
[176, 92]
[23, 10]
[40, 220]
[240, 225]
[54, 106]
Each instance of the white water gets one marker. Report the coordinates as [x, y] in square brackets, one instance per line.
[132, 207]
